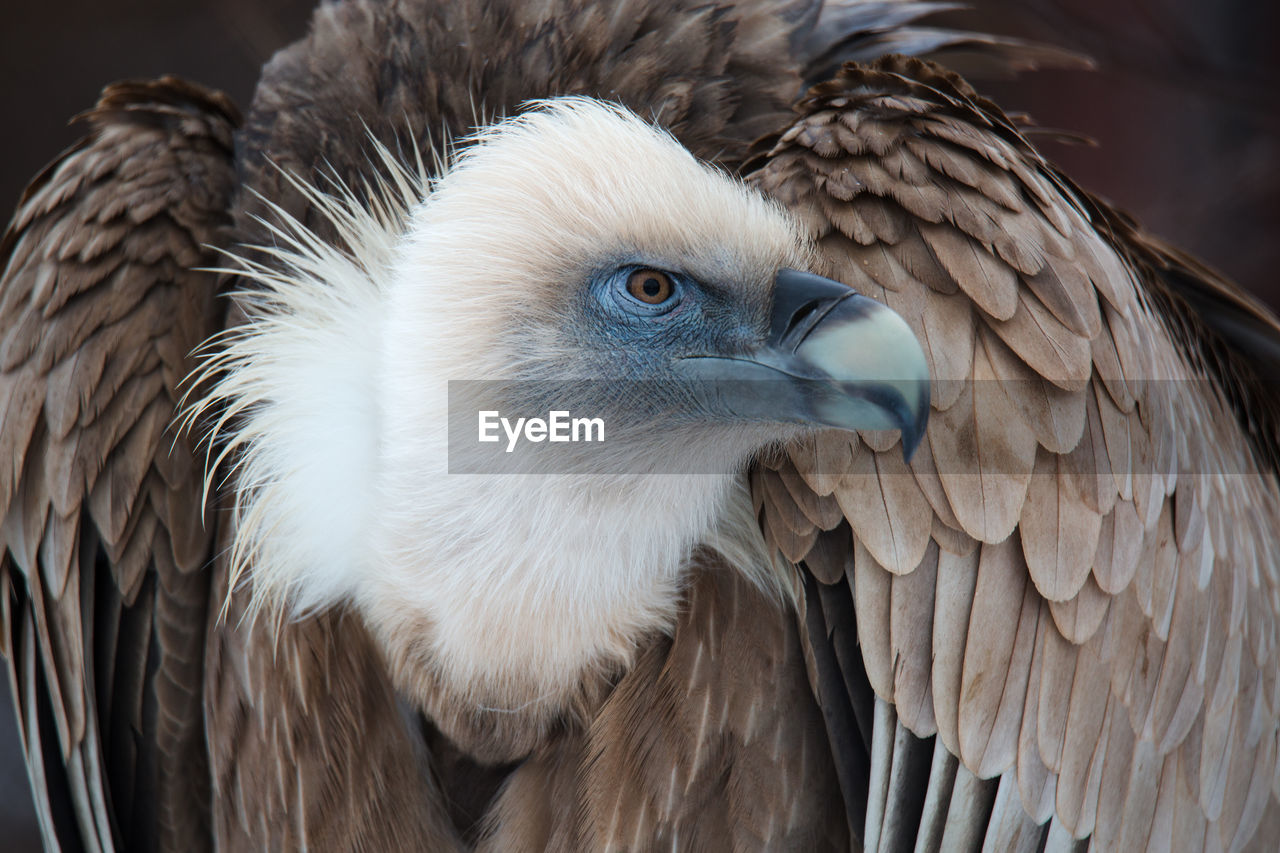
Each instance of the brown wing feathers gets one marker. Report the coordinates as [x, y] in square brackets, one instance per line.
[99, 308]
[308, 746]
[710, 742]
[1078, 529]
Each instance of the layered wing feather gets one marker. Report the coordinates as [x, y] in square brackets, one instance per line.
[1073, 585]
[101, 304]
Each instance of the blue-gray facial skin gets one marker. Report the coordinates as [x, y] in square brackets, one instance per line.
[646, 340]
[665, 349]
[620, 356]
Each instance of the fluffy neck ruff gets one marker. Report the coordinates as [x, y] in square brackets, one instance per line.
[504, 595]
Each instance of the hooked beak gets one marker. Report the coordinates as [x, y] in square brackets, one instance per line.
[833, 358]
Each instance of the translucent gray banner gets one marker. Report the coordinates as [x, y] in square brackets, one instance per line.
[608, 427]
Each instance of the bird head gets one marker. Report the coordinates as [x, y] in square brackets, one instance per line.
[575, 258]
[585, 262]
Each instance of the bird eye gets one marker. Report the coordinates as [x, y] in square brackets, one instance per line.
[652, 287]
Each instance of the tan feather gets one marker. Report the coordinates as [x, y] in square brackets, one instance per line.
[821, 510]
[1106, 366]
[824, 461]
[991, 284]
[1120, 547]
[1087, 466]
[299, 714]
[911, 602]
[887, 510]
[1049, 348]
[1257, 799]
[1064, 288]
[922, 465]
[782, 507]
[953, 602]
[1009, 827]
[1219, 743]
[1037, 786]
[1160, 836]
[918, 262]
[1178, 696]
[1059, 531]
[872, 591]
[1077, 619]
[1164, 573]
[955, 541]
[831, 557]
[1114, 783]
[1057, 674]
[1057, 417]
[1115, 433]
[1140, 803]
[971, 435]
[1085, 744]
[997, 660]
[948, 339]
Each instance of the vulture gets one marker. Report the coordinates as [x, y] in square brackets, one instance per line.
[633, 426]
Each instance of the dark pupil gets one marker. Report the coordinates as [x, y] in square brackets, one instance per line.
[651, 287]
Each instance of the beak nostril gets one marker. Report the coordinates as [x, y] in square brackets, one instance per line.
[800, 301]
[797, 318]
[805, 319]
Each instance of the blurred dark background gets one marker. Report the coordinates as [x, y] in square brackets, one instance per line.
[1184, 108]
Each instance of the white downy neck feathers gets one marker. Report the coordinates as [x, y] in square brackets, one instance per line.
[331, 399]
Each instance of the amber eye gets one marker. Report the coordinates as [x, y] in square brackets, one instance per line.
[652, 287]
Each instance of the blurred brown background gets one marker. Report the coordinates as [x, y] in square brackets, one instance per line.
[1185, 108]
